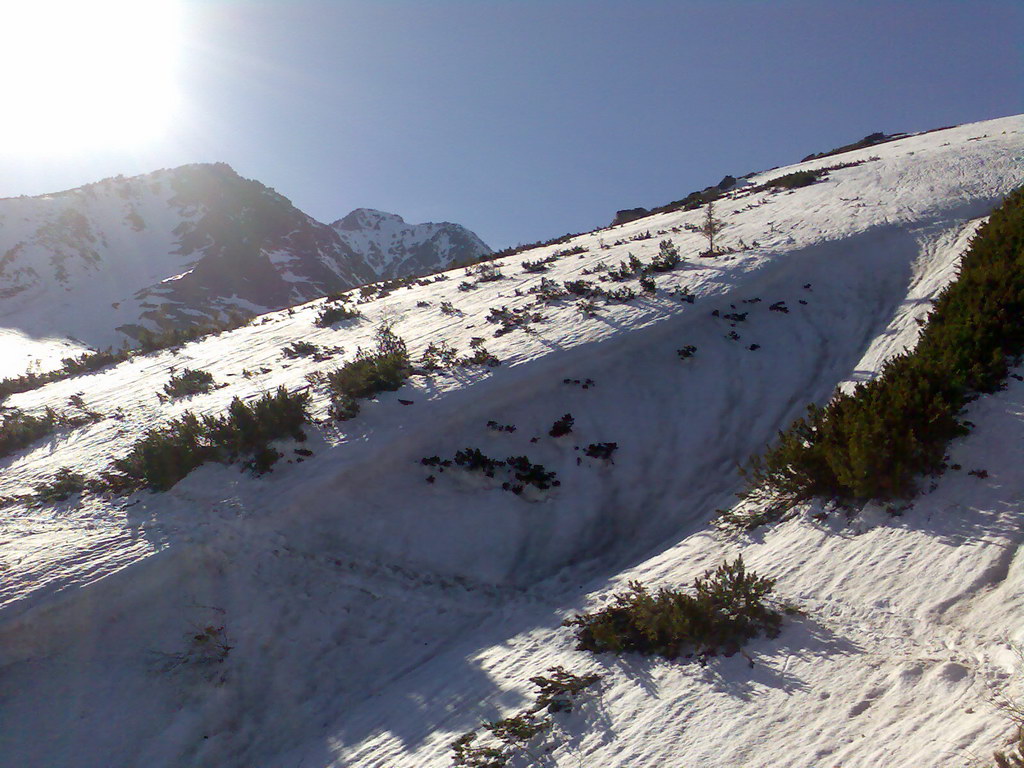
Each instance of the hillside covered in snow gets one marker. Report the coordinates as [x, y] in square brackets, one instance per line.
[383, 590]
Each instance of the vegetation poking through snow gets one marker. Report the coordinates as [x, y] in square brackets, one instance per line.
[480, 356]
[528, 473]
[519, 471]
[167, 454]
[573, 251]
[188, 382]
[302, 348]
[485, 272]
[621, 295]
[501, 427]
[370, 373]
[868, 141]
[795, 180]
[582, 383]
[439, 356]
[711, 227]
[601, 450]
[334, 312]
[511, 319]
[506, 738]
[19, 430]
[875, 442]
[583, 288]
[541, 265]
[804, 178]
[547, 290]
[723, 609]
[62, 485]
[562, 426]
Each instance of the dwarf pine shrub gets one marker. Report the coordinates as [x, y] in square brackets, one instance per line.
[875, 442]
[370, 373]
[19, 430]
[723, 609]
[506, 739]
[438, 356]
[167, 454]
[796, 179]
[188, 382]
[480, 355]
[667, 259]
[64, 483]
[334, 312]
[562, 426]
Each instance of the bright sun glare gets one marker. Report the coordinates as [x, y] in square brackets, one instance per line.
[86, 74]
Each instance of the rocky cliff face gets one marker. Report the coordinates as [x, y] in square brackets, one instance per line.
[191, 244]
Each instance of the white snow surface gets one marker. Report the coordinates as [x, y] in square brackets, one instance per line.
[373, 617]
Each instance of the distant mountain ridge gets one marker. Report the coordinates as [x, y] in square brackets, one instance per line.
[192, 244]
[394, 248]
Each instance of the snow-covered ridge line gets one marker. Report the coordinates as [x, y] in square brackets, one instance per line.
[374, 616]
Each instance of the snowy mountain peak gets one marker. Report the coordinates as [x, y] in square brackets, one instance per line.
[394, 248]
[367, 218]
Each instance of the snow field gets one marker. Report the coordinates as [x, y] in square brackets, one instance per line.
[373, 617]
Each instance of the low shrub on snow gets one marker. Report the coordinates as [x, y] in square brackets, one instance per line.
[19, 430]
[63, 484]
[562, 426]
[480, 356]
[502, 740]
[439, 356]
[875, 442]
[166, 454]
[723, 609]
[334, 312]
[519, 470]
[188, 382]
[369, 373]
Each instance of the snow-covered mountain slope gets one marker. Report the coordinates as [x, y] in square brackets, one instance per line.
[342, 611]
[176, 247]
[396, 249]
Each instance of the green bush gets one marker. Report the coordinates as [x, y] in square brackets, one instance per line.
[331, 313]
[795, 180]
[511, 737]
[725, 608]
[62, 485]
[166, 454]
[875, 442]
[439, 356]
[370, 373]
[19, 430]
[667, 259]
[188, 382]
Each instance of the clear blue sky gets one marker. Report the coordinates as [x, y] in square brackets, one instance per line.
[527, 119]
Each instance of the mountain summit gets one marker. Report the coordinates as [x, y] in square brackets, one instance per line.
[393, 248]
